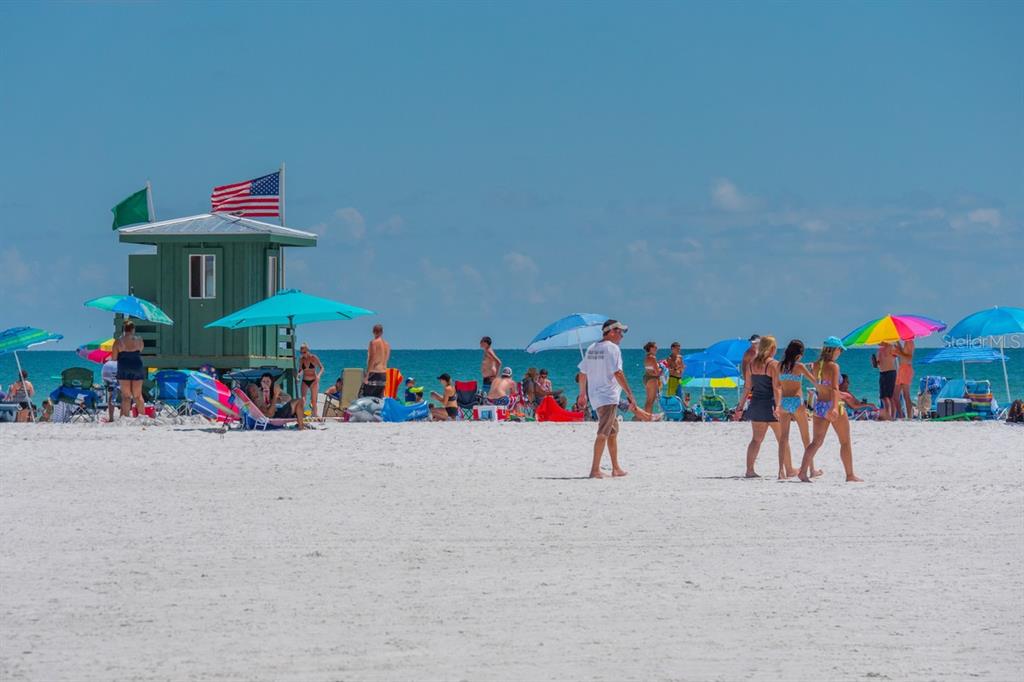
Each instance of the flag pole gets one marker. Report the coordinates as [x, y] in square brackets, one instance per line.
[149, 202]
[281, 250]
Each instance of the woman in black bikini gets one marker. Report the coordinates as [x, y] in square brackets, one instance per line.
[311, 369]
[127, 351]
[652, 375]
[761, 383]
[450, 409]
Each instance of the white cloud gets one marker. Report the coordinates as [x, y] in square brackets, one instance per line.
[814, 225]
[353, 220]
[987, 219]
[520, 263]
[727, 196]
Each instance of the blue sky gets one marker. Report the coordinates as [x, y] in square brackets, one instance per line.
[697, 170]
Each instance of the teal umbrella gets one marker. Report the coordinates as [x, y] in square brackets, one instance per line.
[991, 322]
[19, 338]
[131, 306]
[289, 307]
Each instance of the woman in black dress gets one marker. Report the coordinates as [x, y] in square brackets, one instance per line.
[761, 384]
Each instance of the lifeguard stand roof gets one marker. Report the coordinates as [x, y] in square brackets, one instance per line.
[221, 226]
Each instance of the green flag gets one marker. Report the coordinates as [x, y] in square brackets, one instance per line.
[133, 210]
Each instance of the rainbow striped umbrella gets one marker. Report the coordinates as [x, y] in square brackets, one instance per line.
[97, 351]
[893, 328]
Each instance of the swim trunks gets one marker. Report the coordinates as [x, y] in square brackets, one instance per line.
[374, 386]
[607, 420]
[887, 383]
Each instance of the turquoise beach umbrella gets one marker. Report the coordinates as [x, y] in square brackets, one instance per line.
[999, 321]
[131, 306]
[20, 338]
[289, 307]
[572, 331]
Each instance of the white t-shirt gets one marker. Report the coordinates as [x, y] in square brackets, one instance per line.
[602, 361]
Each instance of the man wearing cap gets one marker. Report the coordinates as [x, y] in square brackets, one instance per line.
[502, 388]
[602, 381]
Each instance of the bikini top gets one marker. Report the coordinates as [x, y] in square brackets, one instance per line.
[791, 377]
[823, 382]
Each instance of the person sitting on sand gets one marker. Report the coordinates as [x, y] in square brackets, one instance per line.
[544, 389]
[411, 394]
[449, 409]
[829, 411]
[21, 392]
[502, 388]
[530, 386]
[267, 396]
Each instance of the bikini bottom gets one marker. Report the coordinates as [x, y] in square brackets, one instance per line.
[791, 404]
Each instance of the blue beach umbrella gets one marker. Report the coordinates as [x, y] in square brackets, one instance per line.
[572, 331]
[132, 306]
[289, 307]
[732, 349]
[992, 322]
[706, 365]
[21, 338]
[963, 355]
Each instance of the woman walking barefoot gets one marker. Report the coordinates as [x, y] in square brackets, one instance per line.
[829, 409]
[792, 373]
[761, 381]
[652, 375]
[312, 369]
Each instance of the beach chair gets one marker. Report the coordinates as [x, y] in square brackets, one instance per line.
[467, 396]
[392, 383]
[171, 399]
[713, 408]
[253, 418]
[77, 393]
[671, 407]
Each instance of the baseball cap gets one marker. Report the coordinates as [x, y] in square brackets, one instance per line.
[833, 342]
[613, 324]
[410, 380]
[507, 372]
[755, 337]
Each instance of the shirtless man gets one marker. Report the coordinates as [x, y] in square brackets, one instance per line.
[377, 355]
[886, 363]
[490, 364]
[502, 388]
[676, 366]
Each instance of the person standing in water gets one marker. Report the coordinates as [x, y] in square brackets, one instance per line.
[489, 365]
[377, 355]
[602, 380]
[904, 377]
[829, 410]
[311, 369]
[127, 351]
[792, 373]
[761, 384]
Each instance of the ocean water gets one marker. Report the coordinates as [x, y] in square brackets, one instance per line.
[44, 368]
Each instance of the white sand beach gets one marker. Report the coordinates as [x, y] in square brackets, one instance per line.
[472, 551]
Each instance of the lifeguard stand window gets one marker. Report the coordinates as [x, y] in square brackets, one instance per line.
[202, 276]
[271, 275]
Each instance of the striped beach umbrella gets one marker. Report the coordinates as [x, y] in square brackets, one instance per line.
[893, 328]
[96, 351]
[21, 338]
[131, 306]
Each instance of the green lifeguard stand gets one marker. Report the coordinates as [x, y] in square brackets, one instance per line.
[205, 267]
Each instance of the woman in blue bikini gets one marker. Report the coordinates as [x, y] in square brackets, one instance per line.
[792, 373]
[829, 409]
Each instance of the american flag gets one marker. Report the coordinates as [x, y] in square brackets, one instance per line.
[259, 198]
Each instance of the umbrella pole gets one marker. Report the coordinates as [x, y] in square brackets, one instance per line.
[21, 379]
[1006, 377]
[963, 369]
[295, 359]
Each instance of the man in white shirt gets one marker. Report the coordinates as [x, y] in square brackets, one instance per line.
[601, 380]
